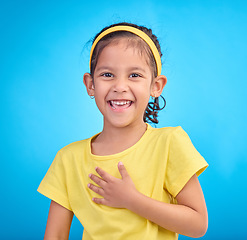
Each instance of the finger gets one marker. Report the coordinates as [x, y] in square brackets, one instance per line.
[97, 180]
[96, 189]
[105, 176]
[122, 170]
[99, 201]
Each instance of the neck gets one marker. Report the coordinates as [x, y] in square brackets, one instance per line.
[114, 140]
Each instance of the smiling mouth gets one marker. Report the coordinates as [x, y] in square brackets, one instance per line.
[120, 104]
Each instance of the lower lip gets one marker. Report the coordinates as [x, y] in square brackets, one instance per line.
[121, 109]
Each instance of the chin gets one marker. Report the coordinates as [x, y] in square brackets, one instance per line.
[123, 123]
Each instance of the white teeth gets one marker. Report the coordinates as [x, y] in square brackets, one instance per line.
[120, 103]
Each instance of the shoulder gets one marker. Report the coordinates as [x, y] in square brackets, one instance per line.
[166, 132]
[73, 149]
[75, 146]
[70, 156]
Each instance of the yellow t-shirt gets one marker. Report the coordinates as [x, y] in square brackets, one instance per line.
[160, 164]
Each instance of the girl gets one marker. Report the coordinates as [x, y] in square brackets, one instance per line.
[130, 181]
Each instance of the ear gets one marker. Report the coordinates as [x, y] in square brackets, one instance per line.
[88, 82]
[158, 85]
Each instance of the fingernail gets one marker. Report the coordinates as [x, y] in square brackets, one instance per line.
[90, 175]
[88, 185]
[120, 163]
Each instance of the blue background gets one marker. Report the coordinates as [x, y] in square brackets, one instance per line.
[44, 106]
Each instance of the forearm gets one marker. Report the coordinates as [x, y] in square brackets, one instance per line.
[177, 218]
[55, 238]
[56, 235]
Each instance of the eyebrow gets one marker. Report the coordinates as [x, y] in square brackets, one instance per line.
[104, 68]
[135, 68]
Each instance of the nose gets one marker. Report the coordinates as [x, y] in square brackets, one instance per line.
[120, 85]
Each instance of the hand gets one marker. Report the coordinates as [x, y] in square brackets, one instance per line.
[115, 192]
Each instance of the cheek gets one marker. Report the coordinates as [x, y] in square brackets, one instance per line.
[145, 89]
[143, 95]
[99, 90]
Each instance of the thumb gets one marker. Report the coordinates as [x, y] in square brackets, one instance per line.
[122, 170]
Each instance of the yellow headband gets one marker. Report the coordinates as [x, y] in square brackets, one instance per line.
[137, 32]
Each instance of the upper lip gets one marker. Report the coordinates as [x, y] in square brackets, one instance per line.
[120, 100]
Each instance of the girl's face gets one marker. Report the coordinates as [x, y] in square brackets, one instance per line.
[122, 84]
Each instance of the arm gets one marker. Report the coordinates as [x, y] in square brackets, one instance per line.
[188, 217]
[58, 223]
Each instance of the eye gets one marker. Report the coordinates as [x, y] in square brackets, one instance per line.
[135, 75]
[107, 75]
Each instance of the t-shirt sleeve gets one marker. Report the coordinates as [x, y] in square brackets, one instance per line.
[54, 184]
[183, 162]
